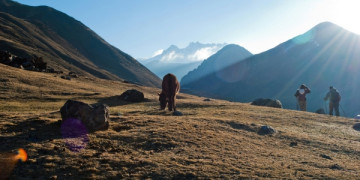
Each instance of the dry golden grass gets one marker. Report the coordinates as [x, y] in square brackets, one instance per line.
[214, 139]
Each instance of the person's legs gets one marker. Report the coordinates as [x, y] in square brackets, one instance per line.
[336, 107]
[302, 105]
[331, 108]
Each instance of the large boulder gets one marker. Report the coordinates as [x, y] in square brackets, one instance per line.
[357, 126]
[94, 117]
[266, 130]
[267, 102]
[132, 96]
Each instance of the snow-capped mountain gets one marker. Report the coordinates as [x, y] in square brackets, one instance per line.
[180, 61]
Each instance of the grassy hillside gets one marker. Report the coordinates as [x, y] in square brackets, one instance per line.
[66, 44]
[214, 139]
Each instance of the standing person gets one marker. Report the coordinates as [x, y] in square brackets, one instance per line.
[334, 103]
[300, 96]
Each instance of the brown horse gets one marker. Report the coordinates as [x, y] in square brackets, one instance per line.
[170, 87]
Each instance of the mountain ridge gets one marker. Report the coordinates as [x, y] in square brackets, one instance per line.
[74, 44]
[226, 56]
[323, 56]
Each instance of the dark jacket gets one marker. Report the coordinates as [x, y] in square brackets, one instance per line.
[333, 95]
[301, 97]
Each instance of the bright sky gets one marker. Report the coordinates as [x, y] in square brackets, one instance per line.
[142, 27]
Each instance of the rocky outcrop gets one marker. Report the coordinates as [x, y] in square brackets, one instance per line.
[132, 95]
[94, 117]
[267, 102]
[266, 130]
[33, 64]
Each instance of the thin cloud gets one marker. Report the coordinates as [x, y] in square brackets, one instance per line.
[203, 53]
[171, 57]
[158, 52]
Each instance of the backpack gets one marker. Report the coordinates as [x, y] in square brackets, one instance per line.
[335, 96]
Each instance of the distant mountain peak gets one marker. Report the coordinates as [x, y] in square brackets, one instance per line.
[182, 59]
[227, 56]
[172, 47]
[325, 24]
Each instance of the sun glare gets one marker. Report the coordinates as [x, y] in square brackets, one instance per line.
[345, 13]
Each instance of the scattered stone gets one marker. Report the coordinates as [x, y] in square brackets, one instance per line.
[207, 99]
[65, 77]
[132, 96]
[94, 117]
[50, 70]
[336, 167]
[292, 144]
[177, 113]
[357, 126]
[320, 111]
[33, 63]
[73, 74]
[30, 68]
[325, 156]
[267, 102]
[266, 130]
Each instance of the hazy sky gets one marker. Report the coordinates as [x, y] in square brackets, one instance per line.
[142, 27]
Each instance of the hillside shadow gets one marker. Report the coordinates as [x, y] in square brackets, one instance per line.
[116, 101]
[32, 130]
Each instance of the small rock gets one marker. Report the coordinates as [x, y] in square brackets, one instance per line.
[336, 167]
[73, 74]
[65, 77]
[267, 102]
[207, 99]
[292, 144]
[266, 130]
[177, 113]
[325, 156]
